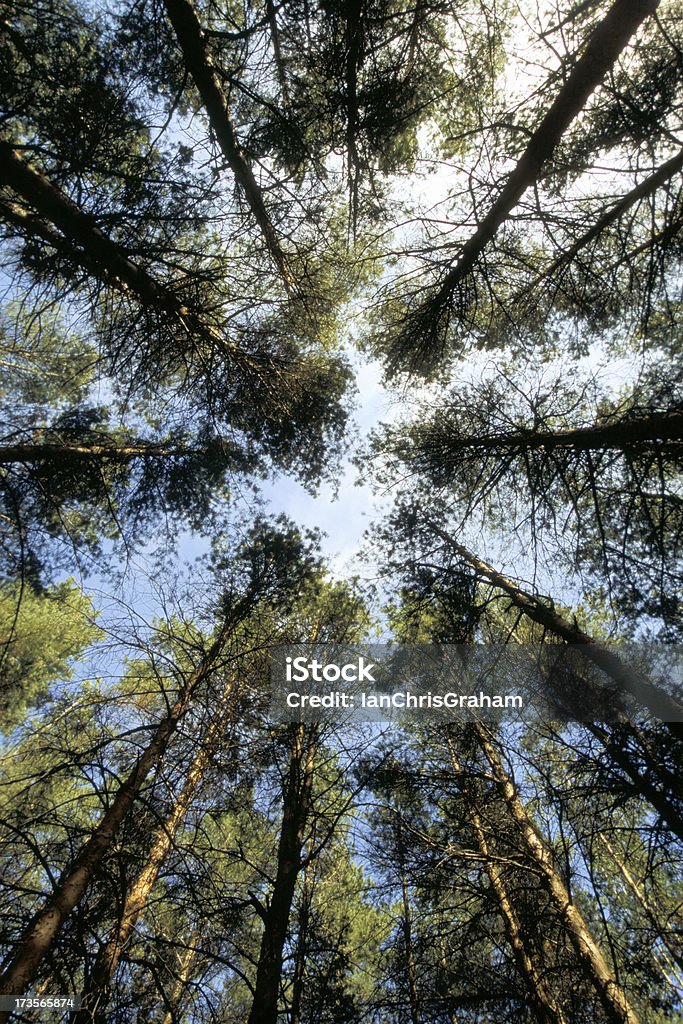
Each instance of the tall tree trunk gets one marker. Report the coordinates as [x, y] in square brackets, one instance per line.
[296, 808]
[660, 703]
[298, 980]
[642, 783]
[277, 50]
[97, 985]
[58, 209]
[650, 911]
[621, 435]
[604, 46]
[51, 451]
[44, 928]
[407, 929]
[544, 1006]
[613, 998]
[198, 60]
[102, 255]
[353, 40]
[172, 1015]
[646, 188]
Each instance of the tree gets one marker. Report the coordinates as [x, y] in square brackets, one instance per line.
[601, 51]
[335, 616]
[80, 478]
[188, 30]
[496, 291]
[585, 468]
[109, 955]
[43, 634]
[165, 306]
[205, 209]
[612, 997]
[264, 572]
[461, 829]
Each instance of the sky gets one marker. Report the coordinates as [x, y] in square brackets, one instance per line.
[343, 509]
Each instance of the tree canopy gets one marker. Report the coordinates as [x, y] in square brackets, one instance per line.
[218, 221]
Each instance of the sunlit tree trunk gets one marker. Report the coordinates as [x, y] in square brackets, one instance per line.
[650, 911]
[612, 996]
[44, 928]
[172, 1014]
[544, 1006]
[107, 960]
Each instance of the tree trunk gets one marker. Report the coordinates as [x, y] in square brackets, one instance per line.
[29, 224]
[297, 805]
[543, 1004]
[353, 41]
[620, 435]
[58, 209]
[650, 912]
[277, 50]
[64, 452]
[646, 188]
[301, 949]
[407, 929]
[107, 960]
[102, 255]
[198, 60]
[42, 932]
[604, 46]
[613, 998]
[660, 703]
[172, 1015]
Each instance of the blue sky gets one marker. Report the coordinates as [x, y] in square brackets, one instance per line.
[342, 509]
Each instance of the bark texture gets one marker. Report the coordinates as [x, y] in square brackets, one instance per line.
[67, 452]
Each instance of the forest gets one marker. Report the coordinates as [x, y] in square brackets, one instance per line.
[227, 228]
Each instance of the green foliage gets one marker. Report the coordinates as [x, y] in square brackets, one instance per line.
[44, 366]
[44, 634]
[160, 360]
